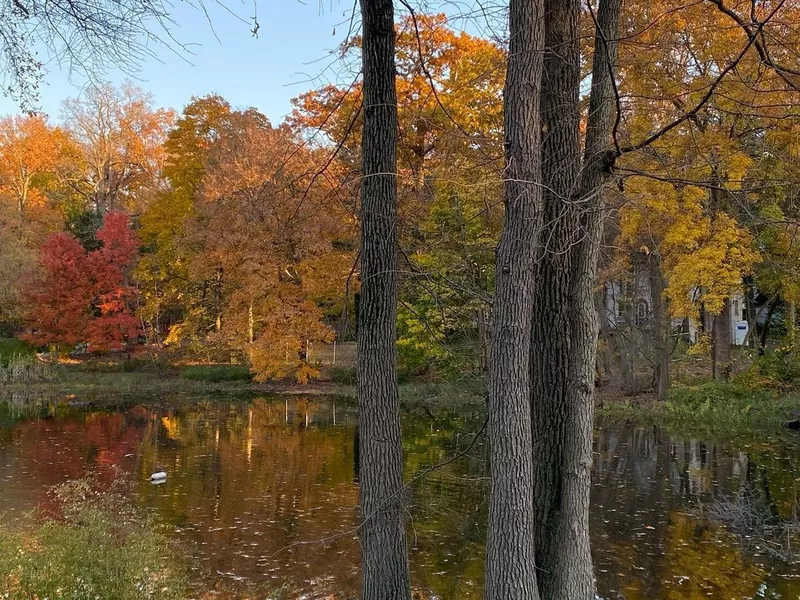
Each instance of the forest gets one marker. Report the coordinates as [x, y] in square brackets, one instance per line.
[600, 205]
[217, 236]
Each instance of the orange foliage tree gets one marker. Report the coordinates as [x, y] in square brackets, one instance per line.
[272, 237]
[450, 113]
[31, 155]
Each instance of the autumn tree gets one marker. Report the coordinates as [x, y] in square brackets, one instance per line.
[59, 299]
[449, 183]
[708, 193]
[114, 325]
[167, 289]
[249, 248]
[271, 239]
[85, 297]
[32, 155]
[121, 138]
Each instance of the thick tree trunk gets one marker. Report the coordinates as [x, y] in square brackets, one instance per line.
[661, 327]
[721, 343]
[510, 570]
[552, 413]
[385, 574]
[563, 419]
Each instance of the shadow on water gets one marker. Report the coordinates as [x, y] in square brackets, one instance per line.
[265, 491]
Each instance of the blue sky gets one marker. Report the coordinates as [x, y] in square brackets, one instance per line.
[293, 46]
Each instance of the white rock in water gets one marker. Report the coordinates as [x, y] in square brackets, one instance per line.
[160, 476]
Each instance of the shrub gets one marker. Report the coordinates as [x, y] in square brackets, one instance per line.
[776, 370]
[11, 348]
[216, 373]
[715, 393]
[343, 375]
[100, 547]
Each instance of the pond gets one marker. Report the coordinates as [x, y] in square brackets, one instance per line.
[265, 489]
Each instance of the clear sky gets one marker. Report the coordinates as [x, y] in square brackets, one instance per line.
[293, 45]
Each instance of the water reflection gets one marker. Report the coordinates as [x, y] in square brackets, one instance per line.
[265, 490]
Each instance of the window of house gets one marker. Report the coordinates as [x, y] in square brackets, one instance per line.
[641, 312]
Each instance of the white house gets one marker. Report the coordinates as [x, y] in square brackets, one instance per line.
[625, 301]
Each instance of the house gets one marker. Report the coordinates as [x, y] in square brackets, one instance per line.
[630, 304]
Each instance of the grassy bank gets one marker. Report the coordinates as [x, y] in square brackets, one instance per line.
[98, 546]
[711, 409]
[142, 379]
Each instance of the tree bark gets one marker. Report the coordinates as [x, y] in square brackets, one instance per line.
[552, 413]
[791, 327]
[721, 343]
[661, 327]
[510, 570]
[385, 574]
[563, 418]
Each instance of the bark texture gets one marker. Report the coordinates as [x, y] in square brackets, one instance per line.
[563, 364]
[385, 574]
[510, 570]
[552, 411]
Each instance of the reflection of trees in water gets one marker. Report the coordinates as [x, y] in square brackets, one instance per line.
[255, 486]
[646, 541]
[250, 488]
[449, 510]
[250, 483]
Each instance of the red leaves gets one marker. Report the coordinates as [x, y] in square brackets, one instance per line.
[59, 306]
[86, 297]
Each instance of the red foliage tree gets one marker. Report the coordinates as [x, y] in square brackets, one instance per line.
[57, 299]
[114, 297]
[86, 297]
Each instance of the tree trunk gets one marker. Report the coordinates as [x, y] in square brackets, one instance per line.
[510, 570]
[773, 304]
[563, 419]
[250, 323]
[551, 353]
[791, 327]
[385, 574]
[218, 299]
[721, 343]
[661, 327]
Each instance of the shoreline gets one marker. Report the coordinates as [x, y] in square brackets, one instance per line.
[710, 409]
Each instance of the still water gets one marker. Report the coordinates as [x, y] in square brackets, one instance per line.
[264, 490]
